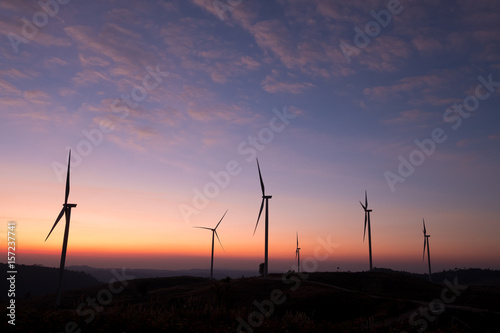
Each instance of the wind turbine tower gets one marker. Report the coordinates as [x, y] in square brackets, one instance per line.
[297, 254]
[426, 243]
[367, 220]
[214, 232]
[66, 211]
[265, 199]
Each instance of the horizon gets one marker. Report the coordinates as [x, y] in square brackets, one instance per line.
[166, 106]
[277, 266]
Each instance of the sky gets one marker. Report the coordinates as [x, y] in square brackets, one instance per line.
[166, 105]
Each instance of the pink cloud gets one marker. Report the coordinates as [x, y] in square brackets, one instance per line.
[66, 92]
[88, 77]
[92, 61]
[55, 61]
[427, 44]
[219, 111]
[192, 42]
[424, 84]
[409, 116]
[386, 54]
[8, 89]
[120, 45]
[494, 137]
[14, 73]
[463, 143]
[272, 85]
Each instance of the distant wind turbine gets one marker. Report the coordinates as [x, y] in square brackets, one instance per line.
[265, 198]
[426, 242]
[66, 210]
[214, 232]
[297, 254]
[367, 219]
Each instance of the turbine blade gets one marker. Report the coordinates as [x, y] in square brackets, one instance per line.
[219, 240]
[364, 233]
[364, 207]
[366, 200]
[425, 231]
[297, 239]
[57, 220]
[260, 176]
[67, 180]
[204, 228]
[220, 220]
[425, 243]
[296, 253]
[258, 218]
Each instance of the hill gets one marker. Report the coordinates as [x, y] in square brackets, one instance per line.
[315, 302]
[38, 280]
[104, 274]
[468, 276]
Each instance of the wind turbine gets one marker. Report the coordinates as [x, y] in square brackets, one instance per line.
[66, 210]
[426, 242]
[367, 219]
[265, 198]
[214, 232]
[297, 254]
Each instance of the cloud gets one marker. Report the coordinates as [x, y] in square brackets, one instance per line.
[464, 143]
[8, 88]
[494, 137]
[298, 44]
[200, 49]
[115, 44]
[409, 116]
[37, 96]
[230, 113]
[66, 92]
[16, 74]
[273, 86]
[427, 44]
[425, 87]
[54, 62]
[385, 54]
[89, 77]
[92, 61]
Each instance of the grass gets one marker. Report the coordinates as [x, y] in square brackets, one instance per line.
[374, 302]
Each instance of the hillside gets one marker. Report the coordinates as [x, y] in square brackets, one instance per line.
[104, 274]
[38, 280]
[317, 302]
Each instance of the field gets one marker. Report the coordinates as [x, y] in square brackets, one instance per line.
[315, 302]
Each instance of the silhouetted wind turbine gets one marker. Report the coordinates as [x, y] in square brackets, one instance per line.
[214, 232]
[426, 242]
[66, 210]
[367, 219]
[297, 254]
[265, 198]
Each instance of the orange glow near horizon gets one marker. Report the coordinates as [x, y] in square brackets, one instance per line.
[143, 229]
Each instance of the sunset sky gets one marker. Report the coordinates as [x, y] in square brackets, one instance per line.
[166, 104]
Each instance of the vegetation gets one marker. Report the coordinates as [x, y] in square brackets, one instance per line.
[314, 302]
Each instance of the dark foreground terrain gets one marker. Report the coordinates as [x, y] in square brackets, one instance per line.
[315, 302]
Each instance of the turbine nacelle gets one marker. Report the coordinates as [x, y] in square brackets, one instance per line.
[267, 196]
[214, 230]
